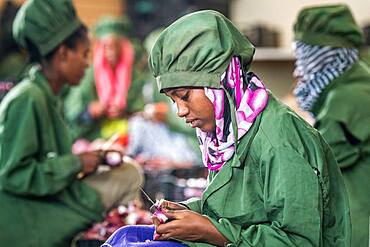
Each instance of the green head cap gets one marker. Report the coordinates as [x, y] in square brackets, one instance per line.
[112, 25]
[45, 23]
[328, 25]
[196, 50]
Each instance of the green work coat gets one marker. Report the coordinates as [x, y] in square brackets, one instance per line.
[282, 188]
[77, 100]
[41, 201]
[343, 118]
[365, 55]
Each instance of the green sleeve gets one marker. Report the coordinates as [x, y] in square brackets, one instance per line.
[336, 134]
[291, 195]
[24, 169]
[194, 204]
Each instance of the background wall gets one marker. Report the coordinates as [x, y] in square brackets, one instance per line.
[274, 66]
[91, 10]
[282, 14]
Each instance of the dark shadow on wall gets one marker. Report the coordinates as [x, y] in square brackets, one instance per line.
[147, 15]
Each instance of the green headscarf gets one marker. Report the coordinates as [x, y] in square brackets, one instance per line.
[196, 50]
[45, 23]
[112, 25]
[328, 25]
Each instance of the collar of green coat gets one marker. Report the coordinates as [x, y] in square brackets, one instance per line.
[358, 71]
[222, 177]
[39, 79]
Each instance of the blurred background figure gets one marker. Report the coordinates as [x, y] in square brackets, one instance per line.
[153, 144]
[334, 86]
[52, 192]
[168, 158]
[111, 89]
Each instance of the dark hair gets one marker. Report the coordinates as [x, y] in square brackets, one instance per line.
[78, 35]
[70, 42]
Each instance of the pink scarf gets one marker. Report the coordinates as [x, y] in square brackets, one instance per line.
[249, 102]
[112, 85]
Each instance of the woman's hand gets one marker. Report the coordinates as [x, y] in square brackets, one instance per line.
[114, 112]
[89, 161]
[168, 206]
[190, 226]
[96, 110]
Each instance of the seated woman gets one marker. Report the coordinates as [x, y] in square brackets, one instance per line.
[333, 85]
[273, 181]
[42, 200]
[111, 89]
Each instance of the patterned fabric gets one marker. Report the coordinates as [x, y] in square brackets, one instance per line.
[316, 67]
[112, 85]
[249, 100]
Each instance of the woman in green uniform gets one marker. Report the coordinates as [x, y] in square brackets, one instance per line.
[334, 85]
[111, 90]
[42, 203]
[273, 181]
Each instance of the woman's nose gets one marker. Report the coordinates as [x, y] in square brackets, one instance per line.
[182, 110]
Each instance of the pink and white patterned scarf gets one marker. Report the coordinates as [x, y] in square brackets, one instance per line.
[250, 99]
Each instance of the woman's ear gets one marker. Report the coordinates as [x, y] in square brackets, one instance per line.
[62, 53]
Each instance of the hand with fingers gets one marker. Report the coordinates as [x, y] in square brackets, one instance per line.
[158, 216]
[187, 225]
[168, 205]
[89, 161]
[96, 109]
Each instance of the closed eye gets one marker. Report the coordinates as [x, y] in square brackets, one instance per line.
[185, 96]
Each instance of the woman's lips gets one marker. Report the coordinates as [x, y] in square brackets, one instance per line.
[193, 122]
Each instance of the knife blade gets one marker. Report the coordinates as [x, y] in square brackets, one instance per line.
[147, 196]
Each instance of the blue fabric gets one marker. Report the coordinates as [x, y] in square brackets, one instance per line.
[137, 236]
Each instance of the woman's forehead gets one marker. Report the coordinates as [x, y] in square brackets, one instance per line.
[176, 91]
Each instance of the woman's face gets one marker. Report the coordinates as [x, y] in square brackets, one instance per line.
[76, 61]
[193, 105]
[112, 49]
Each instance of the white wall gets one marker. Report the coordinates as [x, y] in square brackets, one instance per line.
[281, 14]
